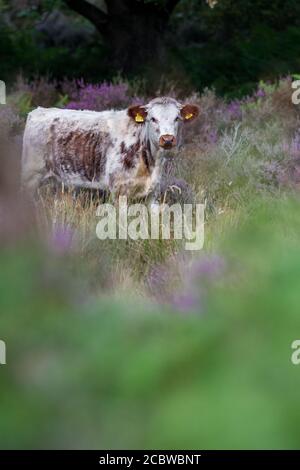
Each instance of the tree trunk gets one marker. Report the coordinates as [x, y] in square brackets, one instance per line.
[135, 40]
[132, 30]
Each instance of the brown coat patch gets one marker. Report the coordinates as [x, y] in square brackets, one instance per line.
[80, 152]
[142, 168]
[129, 155]
[147, 156]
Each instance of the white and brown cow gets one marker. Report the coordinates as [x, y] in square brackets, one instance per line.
[122, 151]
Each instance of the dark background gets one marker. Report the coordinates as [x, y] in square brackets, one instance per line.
[229, 47]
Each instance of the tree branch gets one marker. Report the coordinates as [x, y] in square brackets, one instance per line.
[89, 11]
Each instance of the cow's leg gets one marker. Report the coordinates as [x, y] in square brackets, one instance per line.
[33, 169]
[132, 188]
[30, 183]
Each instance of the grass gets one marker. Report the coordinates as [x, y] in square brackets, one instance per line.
[141, 345]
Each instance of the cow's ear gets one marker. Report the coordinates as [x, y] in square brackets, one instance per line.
[189, 112]
[137, 113]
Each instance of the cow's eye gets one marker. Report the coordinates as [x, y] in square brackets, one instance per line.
[177, 118]
[153, 119]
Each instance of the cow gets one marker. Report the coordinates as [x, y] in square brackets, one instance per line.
[119, 151]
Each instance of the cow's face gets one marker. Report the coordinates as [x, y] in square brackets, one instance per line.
[162, 119]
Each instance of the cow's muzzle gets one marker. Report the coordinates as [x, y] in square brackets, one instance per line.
[167, 141]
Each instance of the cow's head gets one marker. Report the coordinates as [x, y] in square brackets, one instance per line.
[162, 119]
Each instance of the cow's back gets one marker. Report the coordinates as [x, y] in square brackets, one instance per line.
[69, 144]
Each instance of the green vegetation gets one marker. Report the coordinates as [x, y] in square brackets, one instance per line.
[229, 48]
[119, 373]
[139, 345]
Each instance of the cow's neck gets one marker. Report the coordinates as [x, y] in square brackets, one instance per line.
[156, 161]
[153, 155]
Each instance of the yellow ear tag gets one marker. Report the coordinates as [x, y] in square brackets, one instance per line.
[188, 116]
[139, 118]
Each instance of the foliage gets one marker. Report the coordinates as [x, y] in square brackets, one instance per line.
[20, 52]
[73, 94]
[229, 47]
[135, 344]
[237, 43]
[101, 97]
[93, 373]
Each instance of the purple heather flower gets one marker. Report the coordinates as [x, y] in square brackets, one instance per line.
[157, 281]
[210, 134]
[294, 148]
[260, 93]
[186, 302]
[101, 97]
[182, 285]
[213, 136]
[234, 110]
[62, 238]
[208, 267]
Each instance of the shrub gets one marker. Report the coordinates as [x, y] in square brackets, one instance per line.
[27, 95]
[101, 97]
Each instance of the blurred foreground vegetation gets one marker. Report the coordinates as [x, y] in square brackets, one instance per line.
[139, 344]
[118, 372]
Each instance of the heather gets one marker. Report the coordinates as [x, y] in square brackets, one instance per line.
[192, 349]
